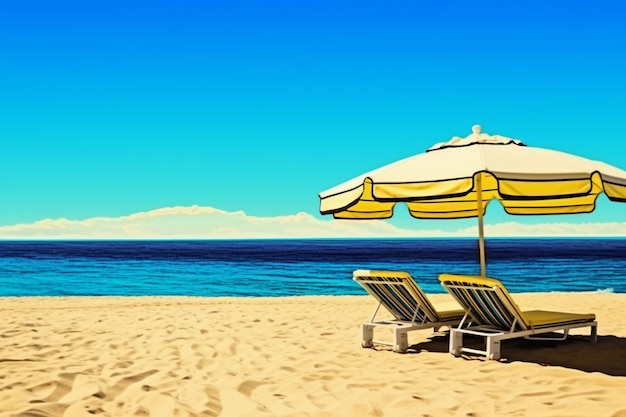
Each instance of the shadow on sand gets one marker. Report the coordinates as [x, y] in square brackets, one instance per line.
[576, 352]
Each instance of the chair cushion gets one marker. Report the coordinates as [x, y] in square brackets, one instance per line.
[450, 314]
[539, 318]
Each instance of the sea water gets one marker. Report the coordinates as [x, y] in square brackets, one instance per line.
[299, 266]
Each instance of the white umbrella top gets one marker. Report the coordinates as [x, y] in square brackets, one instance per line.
[443, 181]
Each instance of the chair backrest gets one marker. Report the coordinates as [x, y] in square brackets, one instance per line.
[486, 300]
[398, 292]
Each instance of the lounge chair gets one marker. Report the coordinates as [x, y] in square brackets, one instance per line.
[496, 317]
[408, 304]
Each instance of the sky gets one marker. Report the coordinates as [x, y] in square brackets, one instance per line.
[226, 119]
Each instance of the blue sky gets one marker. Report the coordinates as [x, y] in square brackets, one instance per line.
[113, 108]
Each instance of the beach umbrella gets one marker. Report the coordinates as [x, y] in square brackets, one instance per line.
[457, 179]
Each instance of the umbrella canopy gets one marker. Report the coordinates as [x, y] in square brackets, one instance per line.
[456, 179]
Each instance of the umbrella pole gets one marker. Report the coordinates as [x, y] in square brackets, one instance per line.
[481, 231]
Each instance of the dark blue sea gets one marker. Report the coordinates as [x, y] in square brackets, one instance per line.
[299, 267]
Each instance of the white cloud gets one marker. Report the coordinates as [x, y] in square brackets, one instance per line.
[195, 222]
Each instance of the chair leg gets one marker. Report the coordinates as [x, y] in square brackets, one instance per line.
[594, 333]
[493, 348]
[401, 341]
[367, 340]
[456, 342]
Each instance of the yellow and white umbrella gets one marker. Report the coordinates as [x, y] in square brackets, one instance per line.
[456, 179]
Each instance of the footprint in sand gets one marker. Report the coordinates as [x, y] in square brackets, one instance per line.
[12, 332]
[125, 382]
[246, 387]
[45, 390]
[49, 409]
[59, 388]
[213, 404]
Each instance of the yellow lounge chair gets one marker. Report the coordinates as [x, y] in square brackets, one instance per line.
[495, 316]
[403, 298]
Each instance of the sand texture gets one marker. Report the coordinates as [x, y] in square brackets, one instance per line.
[294, 356]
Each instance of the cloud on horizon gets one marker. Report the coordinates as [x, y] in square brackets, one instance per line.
[196, 222]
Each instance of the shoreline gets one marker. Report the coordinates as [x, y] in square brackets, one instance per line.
[290, 356]
[607, 291]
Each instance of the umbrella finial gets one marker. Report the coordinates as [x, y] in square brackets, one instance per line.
[476, 129]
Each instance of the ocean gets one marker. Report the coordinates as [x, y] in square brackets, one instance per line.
[249, 268]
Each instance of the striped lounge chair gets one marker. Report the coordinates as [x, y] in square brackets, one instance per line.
[407, 303]
[495, 316]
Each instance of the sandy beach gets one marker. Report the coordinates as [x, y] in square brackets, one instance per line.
[293, 356]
